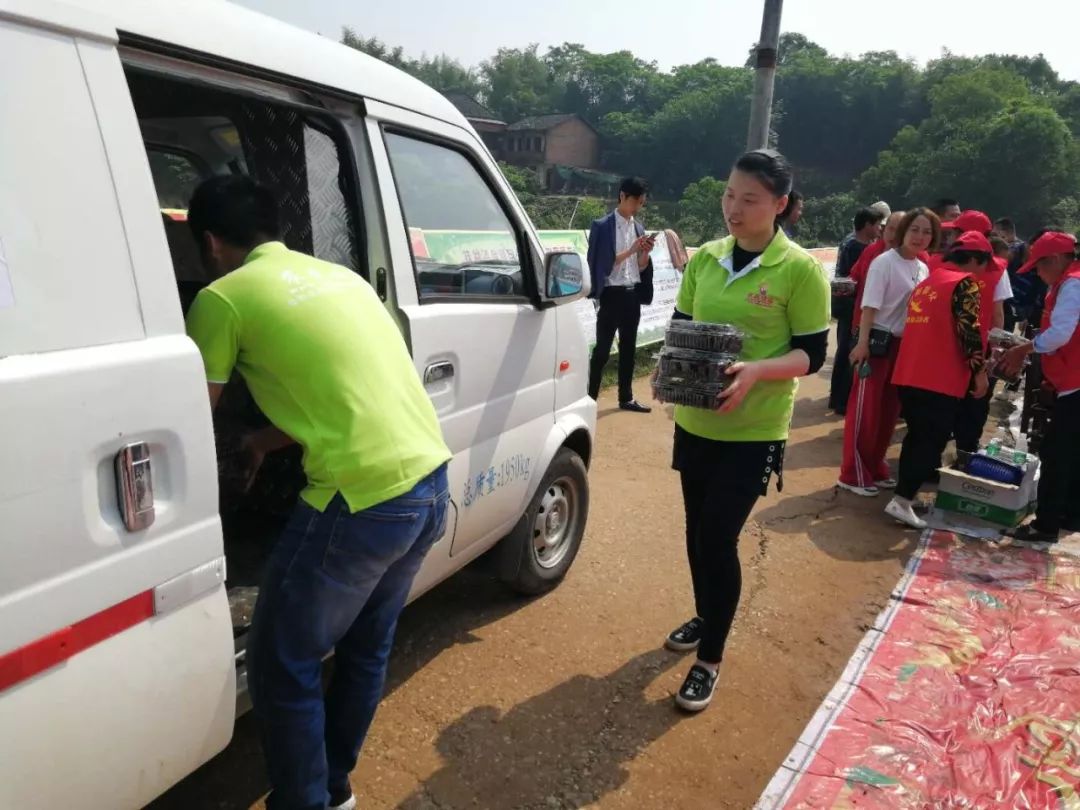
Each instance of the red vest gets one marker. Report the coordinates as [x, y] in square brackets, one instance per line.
[930, 355]
[1062, 368]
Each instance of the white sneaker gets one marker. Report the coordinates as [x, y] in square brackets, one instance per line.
[905, 514]
[348, 804]
[866, 492]
[886, 483]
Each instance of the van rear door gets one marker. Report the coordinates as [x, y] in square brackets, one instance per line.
[116, 652]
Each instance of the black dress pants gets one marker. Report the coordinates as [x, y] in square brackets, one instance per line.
[620, 312]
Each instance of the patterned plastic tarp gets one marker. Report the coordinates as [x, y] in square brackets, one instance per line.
[965, 694]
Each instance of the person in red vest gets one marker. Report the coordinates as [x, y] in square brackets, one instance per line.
[1058, 345]
[873, 406]
[970, 220]
[995, 289]
[941, 359]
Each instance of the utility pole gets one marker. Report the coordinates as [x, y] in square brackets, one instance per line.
[765, 55]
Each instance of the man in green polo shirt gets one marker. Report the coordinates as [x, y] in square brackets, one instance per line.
[328, 367]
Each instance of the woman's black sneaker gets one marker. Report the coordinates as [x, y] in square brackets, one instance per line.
[687, 637]
[697, 690]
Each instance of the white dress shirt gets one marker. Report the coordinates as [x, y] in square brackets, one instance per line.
[626, 274]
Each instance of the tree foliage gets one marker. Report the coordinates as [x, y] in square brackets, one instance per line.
[701, 217]
[998, 132]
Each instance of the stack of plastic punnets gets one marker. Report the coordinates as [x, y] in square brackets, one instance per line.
[694, 361]
[843, 287]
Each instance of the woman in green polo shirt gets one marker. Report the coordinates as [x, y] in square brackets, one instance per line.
[778, 295]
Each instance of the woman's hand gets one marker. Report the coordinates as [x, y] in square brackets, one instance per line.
[1012, 361]
[652, 383]
[860, 354]
[982, 385]
[746, 375]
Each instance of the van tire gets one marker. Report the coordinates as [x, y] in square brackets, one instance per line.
[536, 555]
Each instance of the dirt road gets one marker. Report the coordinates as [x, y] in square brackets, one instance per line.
[566, 701]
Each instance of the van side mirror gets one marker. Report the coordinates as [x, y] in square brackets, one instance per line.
[564, 274]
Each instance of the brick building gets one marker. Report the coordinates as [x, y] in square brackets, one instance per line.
[562, 148]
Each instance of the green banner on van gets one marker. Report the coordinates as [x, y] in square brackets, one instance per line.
[457, 247]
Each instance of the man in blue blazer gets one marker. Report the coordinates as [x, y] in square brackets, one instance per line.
[621, 281]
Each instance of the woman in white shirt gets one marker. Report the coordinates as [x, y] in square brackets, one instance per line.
[874, 406]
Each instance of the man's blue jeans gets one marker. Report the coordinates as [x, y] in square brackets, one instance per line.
[335, 581]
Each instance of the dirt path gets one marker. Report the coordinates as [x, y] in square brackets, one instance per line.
[566, 701]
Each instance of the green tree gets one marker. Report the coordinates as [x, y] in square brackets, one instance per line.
[596, 85]
[448, 76]
[523, 181]
[518, 84]
[373, 46]
[441, 72]
[791, 46]
[826, 219]
[1030, 145]
[701, 212]
[999, 132]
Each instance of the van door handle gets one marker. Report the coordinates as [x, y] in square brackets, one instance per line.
[380, 283]
[438, 372]
[135, 486]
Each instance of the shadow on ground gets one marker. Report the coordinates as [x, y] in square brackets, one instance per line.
[565, 748]
[443, 618]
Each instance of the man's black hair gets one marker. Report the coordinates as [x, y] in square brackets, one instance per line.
[633, 187]
[942, 203]
[962, 257]
[867, 216]
[1006, 223]
[234, 208]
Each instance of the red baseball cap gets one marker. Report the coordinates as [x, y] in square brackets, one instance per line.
[1051, 243]
[972, 240]
[970, 221]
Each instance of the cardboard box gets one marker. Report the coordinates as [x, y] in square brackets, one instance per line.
[1001, 504]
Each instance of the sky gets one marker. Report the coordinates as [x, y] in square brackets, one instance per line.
[686, 31]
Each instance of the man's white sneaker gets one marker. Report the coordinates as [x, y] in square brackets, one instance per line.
[866, 492]
[886, 483]
[905, 514]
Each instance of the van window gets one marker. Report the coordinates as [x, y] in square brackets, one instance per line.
[464, 244]
[175, 177]
[195, 131]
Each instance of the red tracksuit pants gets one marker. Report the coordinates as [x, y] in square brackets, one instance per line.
[872, 413]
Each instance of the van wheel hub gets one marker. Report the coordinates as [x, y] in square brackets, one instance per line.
[555, 522]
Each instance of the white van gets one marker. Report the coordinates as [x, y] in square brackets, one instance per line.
[120, 653]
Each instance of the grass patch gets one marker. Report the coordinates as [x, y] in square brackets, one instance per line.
[643, 365]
